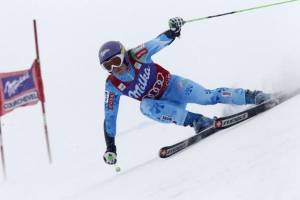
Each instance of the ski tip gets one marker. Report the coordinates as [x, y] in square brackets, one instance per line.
[163, 153]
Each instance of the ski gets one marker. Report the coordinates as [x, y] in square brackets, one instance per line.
[226, 122]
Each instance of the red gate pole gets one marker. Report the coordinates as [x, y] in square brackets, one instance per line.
[2, 153]
[42, 95]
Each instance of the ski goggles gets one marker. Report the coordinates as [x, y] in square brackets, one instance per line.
[114, 62]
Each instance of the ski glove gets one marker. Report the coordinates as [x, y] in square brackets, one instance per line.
[110, 157]
[175, 24]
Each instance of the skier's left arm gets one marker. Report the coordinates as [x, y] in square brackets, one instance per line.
[144, 52]
[112, 97]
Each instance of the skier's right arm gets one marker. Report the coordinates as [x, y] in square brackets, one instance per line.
[112, 98]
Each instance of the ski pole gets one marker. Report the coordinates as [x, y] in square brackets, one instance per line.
[240, 11]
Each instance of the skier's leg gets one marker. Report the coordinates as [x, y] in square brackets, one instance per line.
[228, 96]
[239, 96]
[185, 91]
[170, 112]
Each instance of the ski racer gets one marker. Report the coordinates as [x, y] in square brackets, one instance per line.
[163, 95]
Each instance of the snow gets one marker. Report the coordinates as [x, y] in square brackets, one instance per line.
[256, 50]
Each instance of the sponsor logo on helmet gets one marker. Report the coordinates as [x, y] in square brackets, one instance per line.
[105, 51]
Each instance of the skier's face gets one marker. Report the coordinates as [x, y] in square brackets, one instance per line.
[114, 62]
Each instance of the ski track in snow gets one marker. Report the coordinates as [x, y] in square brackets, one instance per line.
[112, 179]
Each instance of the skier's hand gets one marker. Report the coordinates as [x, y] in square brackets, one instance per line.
[175, 24]
[110, 157]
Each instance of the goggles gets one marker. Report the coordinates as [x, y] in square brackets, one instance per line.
[114, 62]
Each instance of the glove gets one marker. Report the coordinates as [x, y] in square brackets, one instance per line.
[110, 157]
[175, 24]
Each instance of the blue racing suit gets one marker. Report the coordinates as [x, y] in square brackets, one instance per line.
[164, 96]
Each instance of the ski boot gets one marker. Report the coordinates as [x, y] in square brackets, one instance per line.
[198, 122]
[256, 97]
[202, 123]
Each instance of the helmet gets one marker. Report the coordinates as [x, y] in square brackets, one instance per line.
[109, 50]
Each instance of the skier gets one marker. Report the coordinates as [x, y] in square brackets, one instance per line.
[164, 96]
